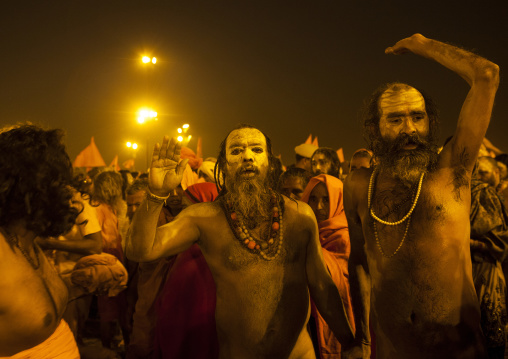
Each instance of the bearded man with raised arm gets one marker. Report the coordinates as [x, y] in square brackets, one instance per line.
[410, 263]
[262, 249]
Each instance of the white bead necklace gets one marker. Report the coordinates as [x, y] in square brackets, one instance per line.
[406, 217]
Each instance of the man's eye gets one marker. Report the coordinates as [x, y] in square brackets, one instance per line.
[257, 150]
[395, 120]
[236, 151]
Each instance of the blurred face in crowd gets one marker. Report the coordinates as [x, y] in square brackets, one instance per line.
[133, 202]
[319, 201]
[359, 162]
[292, 187]
[487, 172]
[320, 164]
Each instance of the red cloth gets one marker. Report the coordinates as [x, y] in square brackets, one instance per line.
[186, 307]
[334, 238]
[202, 192]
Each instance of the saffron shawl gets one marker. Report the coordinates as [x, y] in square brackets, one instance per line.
[334, 238]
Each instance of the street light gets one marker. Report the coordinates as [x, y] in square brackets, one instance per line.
[147, 59]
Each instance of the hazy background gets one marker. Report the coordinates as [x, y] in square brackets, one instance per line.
[289, 67]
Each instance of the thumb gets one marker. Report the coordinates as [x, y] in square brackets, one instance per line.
[181, 166]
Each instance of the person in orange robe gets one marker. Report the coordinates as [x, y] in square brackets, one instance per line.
[324, 195]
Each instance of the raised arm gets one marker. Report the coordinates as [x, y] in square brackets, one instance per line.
[359, 277]
[483, 78]
[322, 289]
[146, 242]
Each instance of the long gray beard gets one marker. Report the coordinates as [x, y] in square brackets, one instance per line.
[406, 166]
[249, 198]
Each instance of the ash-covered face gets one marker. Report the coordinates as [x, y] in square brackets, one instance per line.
[246, 154]
[403, 147]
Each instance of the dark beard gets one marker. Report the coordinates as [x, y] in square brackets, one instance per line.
[405, 165]
[250, 198]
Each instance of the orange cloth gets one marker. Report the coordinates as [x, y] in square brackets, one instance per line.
[60, 345]
[111, 239]
[100, 274]
[334, 238]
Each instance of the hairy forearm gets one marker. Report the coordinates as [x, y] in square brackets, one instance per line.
[470, 67]
[141, 235]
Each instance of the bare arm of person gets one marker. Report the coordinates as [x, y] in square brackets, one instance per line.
[90, 244]
[146, 242]
[483, 79]
[322, 289]
[359, 278]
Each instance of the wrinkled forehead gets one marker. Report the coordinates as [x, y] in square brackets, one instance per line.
[246, 136]
[395, 100]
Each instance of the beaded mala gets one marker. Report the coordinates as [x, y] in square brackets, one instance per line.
[407, 217]
[13, 238]
[268, 249]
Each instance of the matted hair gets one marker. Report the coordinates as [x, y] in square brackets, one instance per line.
[371, 113]
[108, 188]
[35, 180]
[221, 164]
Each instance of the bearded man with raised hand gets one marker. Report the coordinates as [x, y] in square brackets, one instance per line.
[410, 263]
[263, 250]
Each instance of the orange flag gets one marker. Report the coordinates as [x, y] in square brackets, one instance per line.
[315, 142]
[89, 157]
[340, 153]
[308, 141]
[114, 164]
[199, 149]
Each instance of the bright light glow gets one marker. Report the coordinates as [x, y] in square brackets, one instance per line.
[145, 59]
[154, 60]
[179, 138]
[134, 146]
[129, 144]
[185, 126]
[179, 130]
[189, 137]
[141, 119]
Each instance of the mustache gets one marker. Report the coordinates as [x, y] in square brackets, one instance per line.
[405, 139]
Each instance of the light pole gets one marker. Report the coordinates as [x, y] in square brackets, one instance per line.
[134, 147]
[146, 115]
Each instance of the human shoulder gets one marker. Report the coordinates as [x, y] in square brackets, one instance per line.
[298, 212]
[206, 209]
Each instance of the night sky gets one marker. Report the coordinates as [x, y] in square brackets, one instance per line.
[290, 68]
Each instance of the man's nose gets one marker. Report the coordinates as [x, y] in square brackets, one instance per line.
[408, 126]
[248, 155]
[320, 204]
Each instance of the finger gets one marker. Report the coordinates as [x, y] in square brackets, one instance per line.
[156, 150]
[389, 50]
[181, 166]
[173, 149]
[163, 153]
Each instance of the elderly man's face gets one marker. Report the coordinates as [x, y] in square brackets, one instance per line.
[246, 154]
[403, 112]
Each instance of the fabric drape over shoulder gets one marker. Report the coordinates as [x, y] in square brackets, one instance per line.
[334, 238]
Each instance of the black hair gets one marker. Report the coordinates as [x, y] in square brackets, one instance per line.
[35, 180]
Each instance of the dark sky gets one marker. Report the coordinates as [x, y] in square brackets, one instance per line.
[288, 67]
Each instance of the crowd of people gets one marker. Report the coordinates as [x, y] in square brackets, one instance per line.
[399, 252]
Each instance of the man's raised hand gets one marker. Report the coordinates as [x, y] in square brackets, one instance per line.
[166, 169]
[409, 44]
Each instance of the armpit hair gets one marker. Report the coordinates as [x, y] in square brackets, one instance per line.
[460, 174]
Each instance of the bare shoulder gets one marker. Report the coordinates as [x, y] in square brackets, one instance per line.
[201, 210]
[356, 185]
